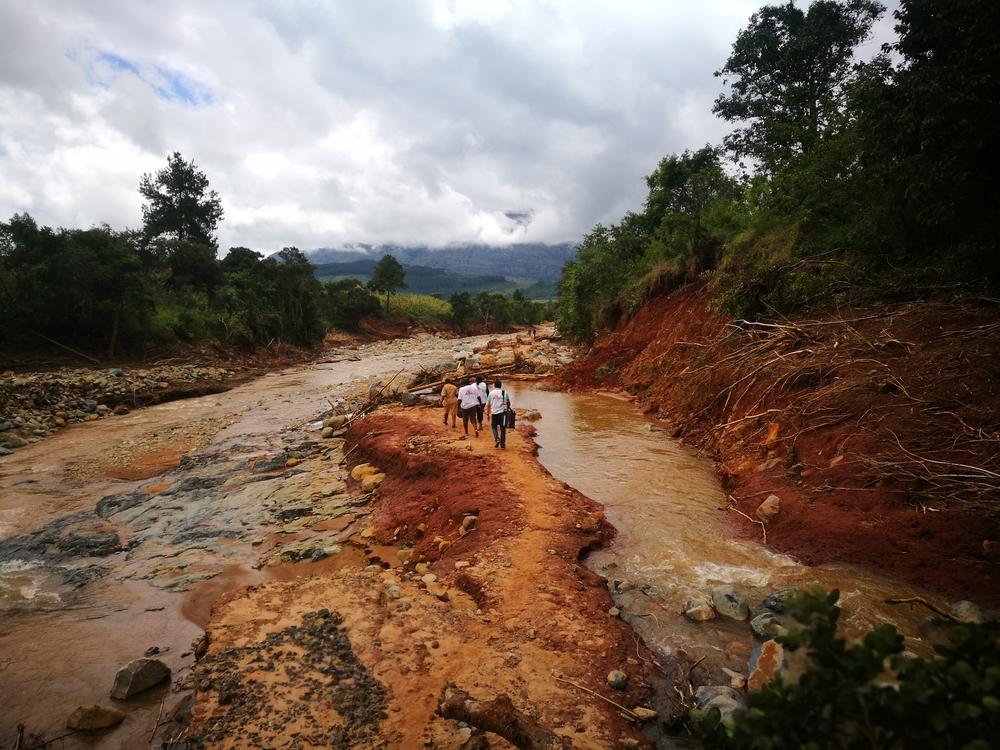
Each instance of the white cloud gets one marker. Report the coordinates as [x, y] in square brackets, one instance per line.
[326, 123]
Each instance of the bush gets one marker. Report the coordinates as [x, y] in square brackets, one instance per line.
[421, 309]
[868, 694]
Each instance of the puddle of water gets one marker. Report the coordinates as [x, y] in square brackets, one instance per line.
[673, 538]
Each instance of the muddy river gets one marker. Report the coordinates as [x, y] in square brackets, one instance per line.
[674, 541]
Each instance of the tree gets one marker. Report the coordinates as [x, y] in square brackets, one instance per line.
[179, 204]
[346, 302]
[789, 70]
[462, 310]
[388, 276]
[929, 126]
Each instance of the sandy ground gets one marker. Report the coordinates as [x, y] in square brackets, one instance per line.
[359, 658]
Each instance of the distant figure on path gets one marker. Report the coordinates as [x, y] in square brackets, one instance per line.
[496, 407]
[468, 396]
[484, 394]
[449, 400]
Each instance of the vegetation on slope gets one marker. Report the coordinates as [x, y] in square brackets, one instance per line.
[846, 177]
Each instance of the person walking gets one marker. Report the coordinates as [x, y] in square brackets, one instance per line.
[484, 394]
[468, 397]
[449, 400]
[496, 407]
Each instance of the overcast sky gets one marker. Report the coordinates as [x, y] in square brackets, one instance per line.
[324, 123]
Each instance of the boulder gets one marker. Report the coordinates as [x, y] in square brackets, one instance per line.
[768, 509]
[137, 676]
[89, 718]
[409, 399]
[361, 471]
[721, 697]
[335, 422]
[729, 603]
[778, 601]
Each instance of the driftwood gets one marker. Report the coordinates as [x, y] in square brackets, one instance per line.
[485, 373]
[921, 600]
[499, 717]
[70, 349]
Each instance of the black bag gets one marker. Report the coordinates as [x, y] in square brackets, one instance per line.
[509, 416]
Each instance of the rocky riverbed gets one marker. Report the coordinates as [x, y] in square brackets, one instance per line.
[118, 534]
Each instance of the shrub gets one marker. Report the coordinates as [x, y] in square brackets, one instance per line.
[868, 694]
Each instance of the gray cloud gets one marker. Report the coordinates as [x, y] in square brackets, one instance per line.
[324, 123]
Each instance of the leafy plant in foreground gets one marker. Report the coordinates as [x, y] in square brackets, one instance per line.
[867, 694]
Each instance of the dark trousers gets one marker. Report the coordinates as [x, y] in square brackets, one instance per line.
[469, 415]
[479, 415]
[498, 423]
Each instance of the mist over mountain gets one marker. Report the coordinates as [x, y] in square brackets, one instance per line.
[539, 261]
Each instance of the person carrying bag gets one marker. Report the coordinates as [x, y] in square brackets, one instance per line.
[501, 414]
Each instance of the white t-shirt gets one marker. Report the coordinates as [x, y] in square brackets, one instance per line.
[469, 395]
[484, 392]
[498, 401]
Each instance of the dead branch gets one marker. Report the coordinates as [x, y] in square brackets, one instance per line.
[920, 600]
[484, 373]
[619, 706]
[70, 349]
[500, 717]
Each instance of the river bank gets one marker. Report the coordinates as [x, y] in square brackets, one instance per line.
[875, 429]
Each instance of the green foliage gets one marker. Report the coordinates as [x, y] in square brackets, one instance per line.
[462, 310]
[179, 204]
[347, 301]
[867, 694]
[388, 276]
[788, 70]
[421, 309]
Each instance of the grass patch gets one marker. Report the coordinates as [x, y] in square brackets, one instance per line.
[421, 309]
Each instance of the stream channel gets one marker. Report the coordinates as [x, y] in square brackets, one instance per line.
[674, 541]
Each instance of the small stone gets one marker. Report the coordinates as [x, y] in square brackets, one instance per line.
[642, 713]
[421, 567]
[629, 742]
[721, 697]
[292, 462]
[89, 718]
[614, 612]
[327, 433]
[737, 681]
[428, 578]
[699, 610]
[371, 481]
[778, 601]
[459, 564]
[469, 523]
[768, 509]
[137, 676]
[617, 679]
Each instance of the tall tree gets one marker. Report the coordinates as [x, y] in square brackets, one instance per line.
[930, 125]
[787, 73]
[388, 276]
[179, 204]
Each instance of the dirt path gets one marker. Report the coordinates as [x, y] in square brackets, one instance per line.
[360, 658]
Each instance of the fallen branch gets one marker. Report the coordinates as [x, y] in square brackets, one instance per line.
[920, 600]
[763, 527]
[631, 715]
[70, 349]
[500, 717]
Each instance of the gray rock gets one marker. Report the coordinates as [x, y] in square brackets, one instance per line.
[409, 399]
[767, 625]
[729, 603]
[80, 577]
[969, 613]
[778, 601]
[137, 676]
[5, 451]
[721, 697]
[89, 544]
[116, 372]
[89, 718]
[617, 679]
[6, 425]
[10, 440]
[109, 505]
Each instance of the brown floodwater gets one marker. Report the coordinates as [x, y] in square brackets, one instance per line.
[674, 540]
